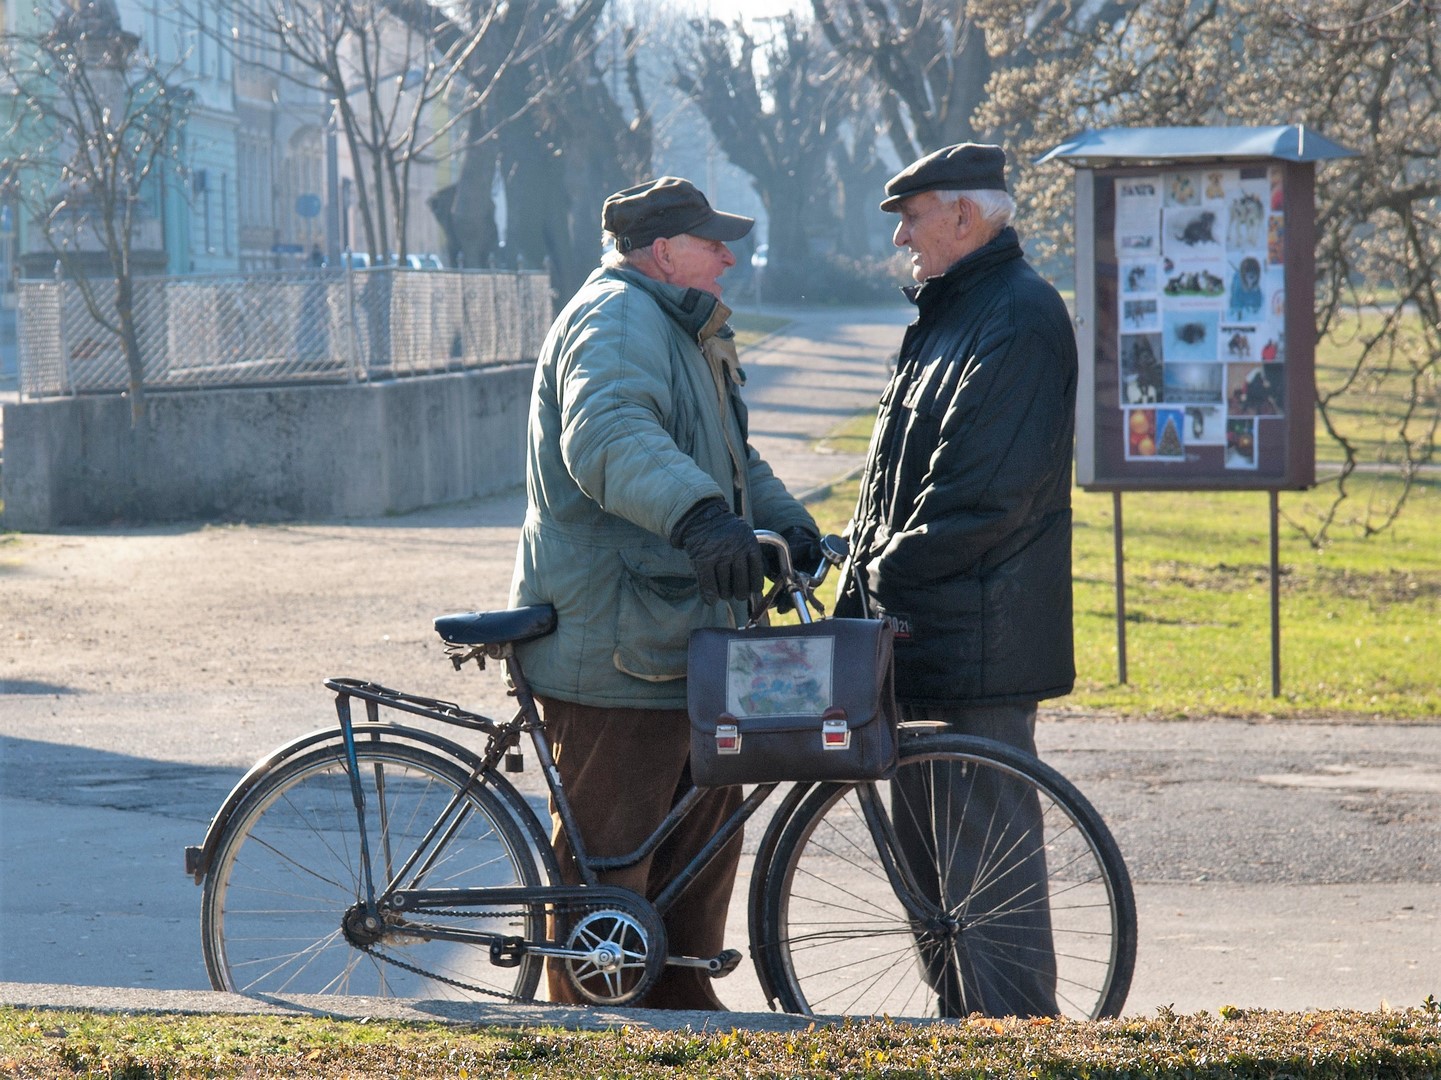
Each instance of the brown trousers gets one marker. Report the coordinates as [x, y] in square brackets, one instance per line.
[622, 771]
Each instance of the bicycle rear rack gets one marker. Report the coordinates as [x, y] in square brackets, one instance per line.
[447, 712]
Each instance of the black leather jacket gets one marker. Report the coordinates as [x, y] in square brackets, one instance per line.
[962, 530]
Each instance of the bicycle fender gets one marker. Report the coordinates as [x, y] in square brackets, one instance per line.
[197, 857]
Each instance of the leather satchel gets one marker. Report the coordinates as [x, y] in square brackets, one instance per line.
[811, 701]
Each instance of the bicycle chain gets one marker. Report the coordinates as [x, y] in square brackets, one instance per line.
[372, 951]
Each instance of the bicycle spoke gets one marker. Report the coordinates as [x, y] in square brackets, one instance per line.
[286, 875]
[1030, 907]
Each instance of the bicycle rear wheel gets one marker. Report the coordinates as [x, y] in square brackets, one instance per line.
[1019, 900]
[281, 906]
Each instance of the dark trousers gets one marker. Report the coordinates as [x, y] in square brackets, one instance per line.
[1002, 962]
[622, 771]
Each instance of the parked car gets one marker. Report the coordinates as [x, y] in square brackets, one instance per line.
[360, 260]
[424, 261]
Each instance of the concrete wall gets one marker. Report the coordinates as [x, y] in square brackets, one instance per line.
[283, 454]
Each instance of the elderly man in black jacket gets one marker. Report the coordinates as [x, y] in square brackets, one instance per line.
[962, 539]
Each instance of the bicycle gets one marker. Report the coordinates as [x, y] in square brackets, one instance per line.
[380, 858]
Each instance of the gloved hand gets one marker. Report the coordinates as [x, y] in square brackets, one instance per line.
[805, 548]
[723, 550]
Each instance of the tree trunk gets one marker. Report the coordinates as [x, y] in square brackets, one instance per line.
[466, 209]
[130, 343]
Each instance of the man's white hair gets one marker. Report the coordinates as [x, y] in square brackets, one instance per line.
[995, 207]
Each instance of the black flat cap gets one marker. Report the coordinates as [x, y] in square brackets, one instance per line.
[963, 167]
[667, 207]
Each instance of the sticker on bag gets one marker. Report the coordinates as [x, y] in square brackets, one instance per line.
[779, 676]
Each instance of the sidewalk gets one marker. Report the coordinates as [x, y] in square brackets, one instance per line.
[142, 670]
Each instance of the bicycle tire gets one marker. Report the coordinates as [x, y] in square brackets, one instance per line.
[833, 937]
[287, 868]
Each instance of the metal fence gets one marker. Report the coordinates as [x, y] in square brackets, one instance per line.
[250, 329]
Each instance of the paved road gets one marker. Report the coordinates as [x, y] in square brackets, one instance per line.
[1277, 865]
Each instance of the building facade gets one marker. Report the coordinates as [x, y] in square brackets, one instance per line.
[253, 189]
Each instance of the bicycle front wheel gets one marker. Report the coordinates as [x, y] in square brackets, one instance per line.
[979, 880]
[282, 906]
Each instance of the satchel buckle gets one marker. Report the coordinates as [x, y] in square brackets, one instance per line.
[727, 739]
[835, 735]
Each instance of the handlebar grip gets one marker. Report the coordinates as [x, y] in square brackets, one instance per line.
[835, 549]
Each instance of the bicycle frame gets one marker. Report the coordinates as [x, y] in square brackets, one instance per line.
[451, 852]
[404, 891]
[395, 896]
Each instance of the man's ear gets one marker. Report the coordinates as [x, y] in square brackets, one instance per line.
[661, 253]
[965, 216]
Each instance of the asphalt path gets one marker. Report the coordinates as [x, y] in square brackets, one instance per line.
[1277, 865]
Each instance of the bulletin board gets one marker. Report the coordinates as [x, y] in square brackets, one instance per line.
[1194, 312]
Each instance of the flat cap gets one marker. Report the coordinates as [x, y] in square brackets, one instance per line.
[963, 167]
[640, 215]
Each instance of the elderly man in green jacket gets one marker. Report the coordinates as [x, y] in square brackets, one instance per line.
[643, 495]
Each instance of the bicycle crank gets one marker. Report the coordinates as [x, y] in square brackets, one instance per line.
[614, 957]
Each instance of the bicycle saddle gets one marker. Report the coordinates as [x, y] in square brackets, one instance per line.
[496, 627]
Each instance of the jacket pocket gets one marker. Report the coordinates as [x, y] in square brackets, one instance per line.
[657, 606]
[939, 642]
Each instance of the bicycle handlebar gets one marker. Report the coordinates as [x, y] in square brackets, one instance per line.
[800, 585]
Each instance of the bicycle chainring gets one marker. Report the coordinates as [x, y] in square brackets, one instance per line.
[625, 952]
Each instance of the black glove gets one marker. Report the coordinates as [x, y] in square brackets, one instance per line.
[723, 550]
[805, 548]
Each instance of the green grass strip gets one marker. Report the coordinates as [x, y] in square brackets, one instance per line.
[1236, 1044]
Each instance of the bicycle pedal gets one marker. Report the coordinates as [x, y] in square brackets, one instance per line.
[507, 951]
[724, 964]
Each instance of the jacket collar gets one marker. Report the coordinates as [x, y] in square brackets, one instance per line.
[1001, 248]
[699, 313]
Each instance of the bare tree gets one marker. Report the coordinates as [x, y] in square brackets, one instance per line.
[1367, 74]
[928, 58]
[93, 126]
[404, 82]
[778, 123]
[552, 130]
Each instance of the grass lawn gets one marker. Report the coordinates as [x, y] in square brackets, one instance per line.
[1368, 414]
[1360, 618]
[751, 328]
[1234, 1045]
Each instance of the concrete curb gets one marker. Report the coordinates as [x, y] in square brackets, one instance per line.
[108, 999]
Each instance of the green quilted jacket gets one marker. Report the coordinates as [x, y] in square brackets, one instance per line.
[635, 417]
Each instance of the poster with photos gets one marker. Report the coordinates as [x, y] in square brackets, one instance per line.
[1201, 310]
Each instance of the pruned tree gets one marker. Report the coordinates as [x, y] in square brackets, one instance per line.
[931, 61]
[860, 175]
[571, 147]
[777, 122]
[1368, 75]
[93, 126]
